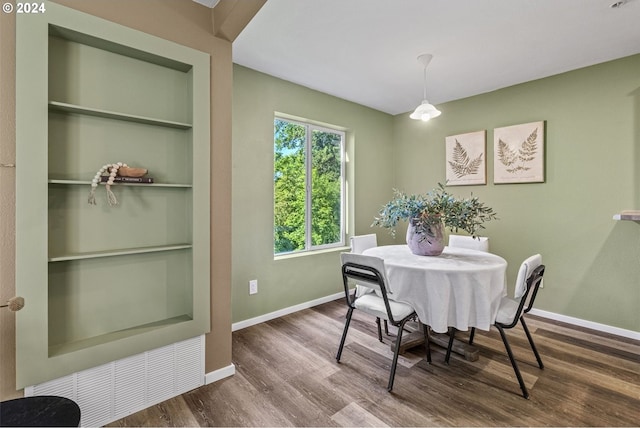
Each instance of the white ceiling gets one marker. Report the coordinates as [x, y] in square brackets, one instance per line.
[366, 51]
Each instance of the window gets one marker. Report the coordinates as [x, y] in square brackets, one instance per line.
[308, 187]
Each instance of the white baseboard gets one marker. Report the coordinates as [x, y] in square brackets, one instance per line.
[587, 324]
[219, 374]
[286, 311]
[544, 314]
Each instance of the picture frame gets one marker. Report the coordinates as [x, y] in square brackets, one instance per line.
[466, 159]
[518, 153]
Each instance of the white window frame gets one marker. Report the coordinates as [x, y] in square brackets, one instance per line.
[309, 128]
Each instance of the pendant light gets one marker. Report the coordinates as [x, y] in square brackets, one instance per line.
[425, 111]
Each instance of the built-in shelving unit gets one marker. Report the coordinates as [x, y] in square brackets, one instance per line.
[104, 282]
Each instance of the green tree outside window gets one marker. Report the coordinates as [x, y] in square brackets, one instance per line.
[308, 183]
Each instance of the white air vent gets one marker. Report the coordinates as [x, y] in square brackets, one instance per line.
[130, 385]
[112, 391]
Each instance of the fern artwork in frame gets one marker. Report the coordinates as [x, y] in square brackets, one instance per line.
[466, 159]
[519, 153]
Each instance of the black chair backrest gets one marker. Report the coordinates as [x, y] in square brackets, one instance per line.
[365, 271]
[526, 302]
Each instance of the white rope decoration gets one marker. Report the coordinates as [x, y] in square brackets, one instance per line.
[112, 169]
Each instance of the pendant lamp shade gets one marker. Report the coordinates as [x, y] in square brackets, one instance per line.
[425, 111]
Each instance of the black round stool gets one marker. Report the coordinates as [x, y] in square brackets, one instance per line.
[39, 411]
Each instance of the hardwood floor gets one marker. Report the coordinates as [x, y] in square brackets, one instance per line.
[286, 375]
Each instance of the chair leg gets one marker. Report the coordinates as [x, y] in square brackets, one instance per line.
[471, 334]
[525, 393]
[396, 352]
[344, 333]
[533, 346]
[427, 345]
[452, 335]
[386, 327]
[379, 328]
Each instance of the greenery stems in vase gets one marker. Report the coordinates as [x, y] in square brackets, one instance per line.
[424, 211]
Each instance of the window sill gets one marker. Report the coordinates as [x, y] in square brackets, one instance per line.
[311, 253]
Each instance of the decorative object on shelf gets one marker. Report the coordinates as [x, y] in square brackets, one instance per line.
[114, 170]
[429, 214]
[425, 111]
[14, 304]
[519, 153]
[147, 180]
[127, 171]
[466, 159]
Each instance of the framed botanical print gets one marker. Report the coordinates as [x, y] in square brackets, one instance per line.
[466, 159]
[519, 153]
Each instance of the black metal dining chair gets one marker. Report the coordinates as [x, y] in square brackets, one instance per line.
[511, 311]
[370, 271]
[359, 244]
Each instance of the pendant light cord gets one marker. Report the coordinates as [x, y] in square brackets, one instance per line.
[425, 83]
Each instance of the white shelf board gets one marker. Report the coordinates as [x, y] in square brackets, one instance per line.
[72, 108]
[122, 252]
[87, 183]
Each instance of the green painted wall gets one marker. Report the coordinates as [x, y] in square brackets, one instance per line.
[286, 282]
[592, 120]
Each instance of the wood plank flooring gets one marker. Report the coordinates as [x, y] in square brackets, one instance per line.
[286, 375]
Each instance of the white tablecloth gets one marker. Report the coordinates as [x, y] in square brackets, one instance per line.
[460, 288]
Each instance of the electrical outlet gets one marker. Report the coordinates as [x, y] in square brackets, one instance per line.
[253, 286]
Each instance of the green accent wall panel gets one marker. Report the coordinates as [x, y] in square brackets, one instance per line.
[111, 81]
[79, 145]
[146, 216]
[288, 281]
[591, 165]
[103, 282]
[86, 301]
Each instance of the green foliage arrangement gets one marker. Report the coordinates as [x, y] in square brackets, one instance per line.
[436, 207]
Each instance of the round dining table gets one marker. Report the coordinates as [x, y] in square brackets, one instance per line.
[460, 288]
